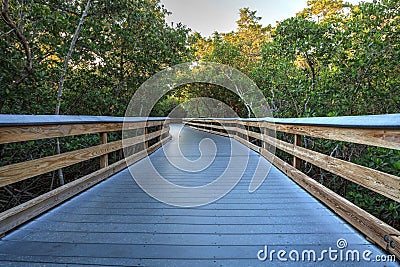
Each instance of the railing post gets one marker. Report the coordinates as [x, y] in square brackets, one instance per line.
[166, 127]
[247, 132]
[236, 131]
[296, 160]
[159, 128]
[263, 131]
[146, 134]
[103, 158]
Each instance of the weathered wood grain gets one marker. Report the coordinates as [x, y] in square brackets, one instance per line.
[385, 184]
[366, 223]
[388, 138]
[207, 125]
[12, 134]
[20, 171]
[380, 182]
[103, 158]
[18, 215]
[206, 130]
[296, 160]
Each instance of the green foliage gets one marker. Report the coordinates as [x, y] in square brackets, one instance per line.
[121, 44]
[385, 160]
[335, 59]
[381, 207]
[333, 66]
[165, 106]
[239, 49]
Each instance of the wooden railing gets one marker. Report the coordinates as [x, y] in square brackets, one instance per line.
[150, 135]
[381, 131]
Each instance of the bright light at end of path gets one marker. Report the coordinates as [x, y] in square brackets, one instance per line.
[188, 163]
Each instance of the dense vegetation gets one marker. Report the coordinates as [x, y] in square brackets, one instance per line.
[331, 59]
[120, 45]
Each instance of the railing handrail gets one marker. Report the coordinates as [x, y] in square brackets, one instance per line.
[391, 121]
[383, 130]
[375, 130]
[36, 120]
[152, 133]
[243, 130]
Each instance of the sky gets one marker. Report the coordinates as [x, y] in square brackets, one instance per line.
[207, 16]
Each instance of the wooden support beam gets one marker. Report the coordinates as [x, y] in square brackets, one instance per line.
[208, 131]
[388, 185]
[380, 182]
[388, 138]
[103, 158]
[366, 223]
[16, 216]
[20, 171]
[12, 134]
[146, 136]
[296, 160]
[264, 131]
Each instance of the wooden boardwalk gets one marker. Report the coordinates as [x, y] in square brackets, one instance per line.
[117, 224]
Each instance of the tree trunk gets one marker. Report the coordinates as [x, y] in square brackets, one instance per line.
[62, 79]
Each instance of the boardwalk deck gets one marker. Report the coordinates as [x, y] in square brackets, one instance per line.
[117, 224]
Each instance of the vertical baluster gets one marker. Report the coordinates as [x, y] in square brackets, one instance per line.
[103, 158]
[146, 136]
[296, 160]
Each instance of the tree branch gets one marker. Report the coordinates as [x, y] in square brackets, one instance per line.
[69, 54]
[22, 39]
[5, 33]
[62, 79]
